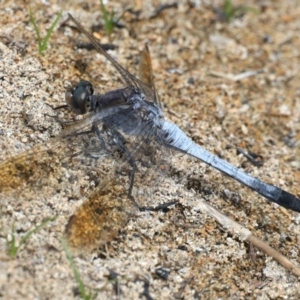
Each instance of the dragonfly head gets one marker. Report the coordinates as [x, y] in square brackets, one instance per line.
[78, 98]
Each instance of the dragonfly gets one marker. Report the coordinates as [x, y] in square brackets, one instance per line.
[125, 127]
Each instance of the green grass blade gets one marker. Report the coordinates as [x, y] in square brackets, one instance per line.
[246, 9]
[49, 32]
[78, 279]
[12, 247]
[106, 17]
[231, 11]
[36, 229]
[37, 31]
[104, 12]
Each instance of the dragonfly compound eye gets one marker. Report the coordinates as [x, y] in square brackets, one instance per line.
[78, 97]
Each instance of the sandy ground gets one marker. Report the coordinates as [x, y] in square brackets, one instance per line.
[195, 57]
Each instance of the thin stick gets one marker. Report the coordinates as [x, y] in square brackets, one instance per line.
[237, 77]
[245, 235]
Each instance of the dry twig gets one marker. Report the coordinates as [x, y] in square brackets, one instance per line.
[245, 235]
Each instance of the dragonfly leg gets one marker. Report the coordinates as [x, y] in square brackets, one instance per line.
[96, 130]
[118, 140]
[161, 207]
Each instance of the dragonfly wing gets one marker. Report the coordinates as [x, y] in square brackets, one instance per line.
[103, 214]
[145, 68]
[47, 164]
[146, 76]
[130, 79]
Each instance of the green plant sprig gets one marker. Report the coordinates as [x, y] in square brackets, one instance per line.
[82, 289]
[109, 19]
[230, 11]
[43, 43]
[13, 247]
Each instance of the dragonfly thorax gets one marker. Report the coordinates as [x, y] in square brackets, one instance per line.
[149, 112]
